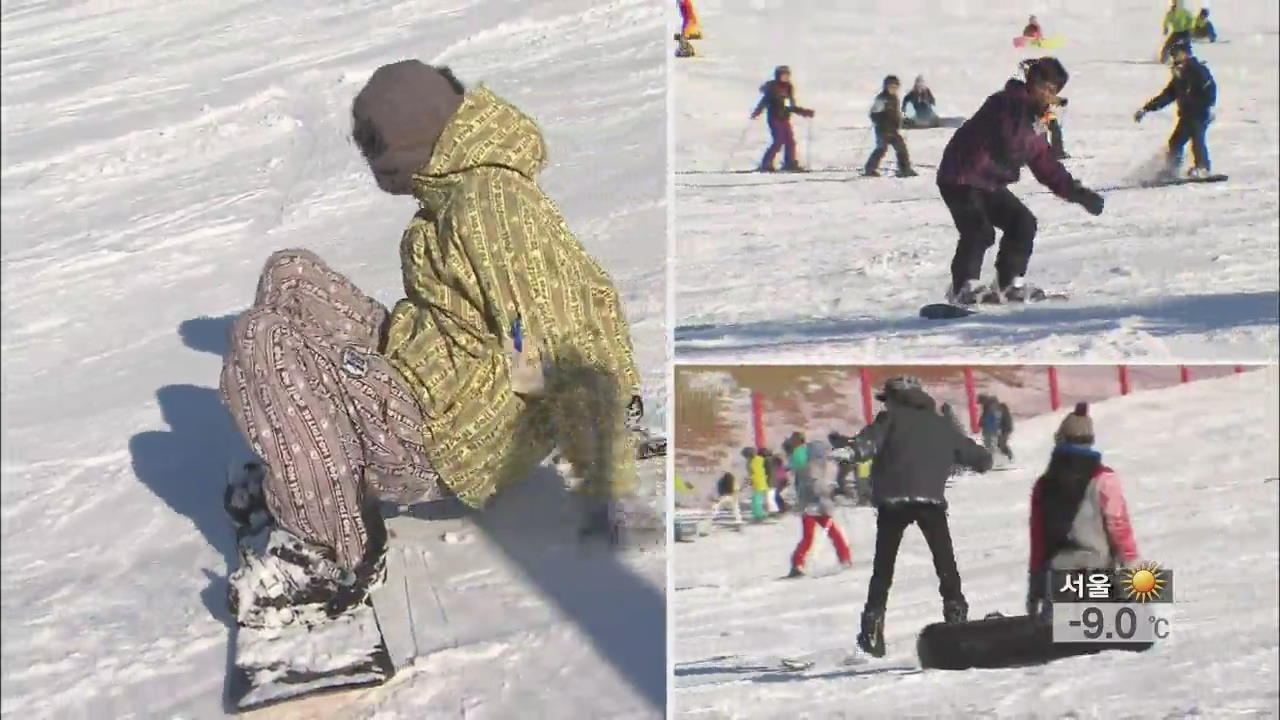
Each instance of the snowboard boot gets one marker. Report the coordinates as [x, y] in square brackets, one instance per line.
[795, 573]
[1198, 173]
[870, 172]
[907, 172]
[794, 168]
[285, 581]
[846, 564]
[765, 168]
[1016, 291]
[955, 611]
[966, 293]
[871, 639]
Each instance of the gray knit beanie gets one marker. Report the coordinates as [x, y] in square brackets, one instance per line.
[398, 117]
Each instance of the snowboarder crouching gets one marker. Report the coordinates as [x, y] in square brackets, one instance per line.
[348, 402]
[979, 163]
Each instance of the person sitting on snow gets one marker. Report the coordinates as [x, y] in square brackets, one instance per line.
[886, 117]
[1032, 31]
[1079, 519]
[921, 101]
[914, 448]
[1202, 27]
[1193, 88]
[778, 102]
[814, 492]
[347, 402]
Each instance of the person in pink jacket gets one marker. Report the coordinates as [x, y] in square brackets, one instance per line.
[1078, 514]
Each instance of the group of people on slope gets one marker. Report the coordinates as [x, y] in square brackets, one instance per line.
[1078, 516]
[986, 154]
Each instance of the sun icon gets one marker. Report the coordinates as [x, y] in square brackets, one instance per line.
[1144, 582]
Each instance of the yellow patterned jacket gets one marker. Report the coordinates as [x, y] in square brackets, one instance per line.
[486, 247]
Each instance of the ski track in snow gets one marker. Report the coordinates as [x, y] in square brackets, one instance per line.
[1185, 273]
[1199, 506]
[154, 155]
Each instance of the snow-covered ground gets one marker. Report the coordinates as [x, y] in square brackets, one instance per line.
[154, 155]
[1198, 463]
[833, 267]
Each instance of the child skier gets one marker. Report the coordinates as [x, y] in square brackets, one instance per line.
[689, 26]
[914, 449]
[1079, 519]
[779, 470]
[759, 482]
[886, 116]
[921, 101]
[1006, 431]
[1177, 26]
[1193, 88]
[814, 498]
[726, 499]
[980, 161]
[1202, 27]
[778, 102]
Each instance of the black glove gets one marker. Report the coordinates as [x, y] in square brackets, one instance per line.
[1062, 102]
[1090, 200]
[1137, 117]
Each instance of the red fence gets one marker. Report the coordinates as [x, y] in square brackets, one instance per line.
[1030, 398]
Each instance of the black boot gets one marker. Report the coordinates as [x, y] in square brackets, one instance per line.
[871, 639]
[955, 611]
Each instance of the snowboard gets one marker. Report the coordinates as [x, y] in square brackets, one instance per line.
[273, 665]
[1046, 43]
[1183, 181]
[952, 311]
[997, 641]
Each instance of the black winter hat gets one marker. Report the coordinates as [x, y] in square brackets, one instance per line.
[1048, 69]
[778, 71]
[891, 80]
[897, 384]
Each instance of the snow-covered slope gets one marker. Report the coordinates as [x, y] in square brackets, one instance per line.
[154, 154]
[1198, 463]
[833, 267]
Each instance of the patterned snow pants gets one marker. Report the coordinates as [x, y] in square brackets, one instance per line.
[333, 422]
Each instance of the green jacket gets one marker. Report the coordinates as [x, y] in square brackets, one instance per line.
[486, 247]
[1178, 19]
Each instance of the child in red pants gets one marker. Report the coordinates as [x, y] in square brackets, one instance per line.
[814, 490]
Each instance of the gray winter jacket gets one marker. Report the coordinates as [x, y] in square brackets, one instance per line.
[915, 450]
[815, 487]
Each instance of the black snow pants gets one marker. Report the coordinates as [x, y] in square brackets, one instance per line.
[891, 521]
[1190, 128]
[884, 141]
[977, 213]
